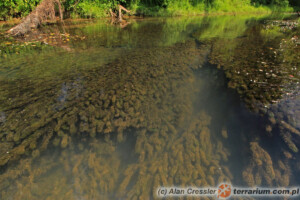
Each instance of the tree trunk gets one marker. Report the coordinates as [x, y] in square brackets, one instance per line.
[44, 11]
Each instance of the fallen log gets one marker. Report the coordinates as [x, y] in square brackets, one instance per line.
[44, 11]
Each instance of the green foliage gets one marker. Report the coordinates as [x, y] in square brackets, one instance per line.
[99, 8]
[295, 3]
[16, 8]
[91, 9]
[280, 3]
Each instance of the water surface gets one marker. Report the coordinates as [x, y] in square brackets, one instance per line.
[89, 110]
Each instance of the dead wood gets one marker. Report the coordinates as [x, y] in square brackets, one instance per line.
[112, 14]
[44, 11]
[120, 12]
[117, 18]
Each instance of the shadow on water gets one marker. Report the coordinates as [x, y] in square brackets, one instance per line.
[100, 112]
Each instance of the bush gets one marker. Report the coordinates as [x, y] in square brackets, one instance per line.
[91, 10]
[16, 8]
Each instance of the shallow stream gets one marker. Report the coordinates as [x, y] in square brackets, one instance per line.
[90, 110]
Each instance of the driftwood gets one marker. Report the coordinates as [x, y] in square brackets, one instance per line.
[120, 12]
[118, 18]
[112, 14]
[44, 11]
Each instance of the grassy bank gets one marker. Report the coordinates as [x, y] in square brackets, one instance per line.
[182, 8]
[186, 9]
[99, 8]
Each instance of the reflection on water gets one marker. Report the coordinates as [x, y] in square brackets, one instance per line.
[118, 112]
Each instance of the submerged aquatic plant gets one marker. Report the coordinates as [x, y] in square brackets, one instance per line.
[61, 136]
[264, 73]
[155, 101]
[262, 171]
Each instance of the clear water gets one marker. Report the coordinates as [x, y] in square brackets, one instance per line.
[89, 110]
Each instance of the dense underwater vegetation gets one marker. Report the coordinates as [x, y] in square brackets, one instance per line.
[94, 111]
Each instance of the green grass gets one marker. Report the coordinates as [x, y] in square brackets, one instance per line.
[184, 8]
[87, 9]
[156, 8]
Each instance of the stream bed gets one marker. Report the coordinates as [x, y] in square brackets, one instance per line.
[90, 110]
